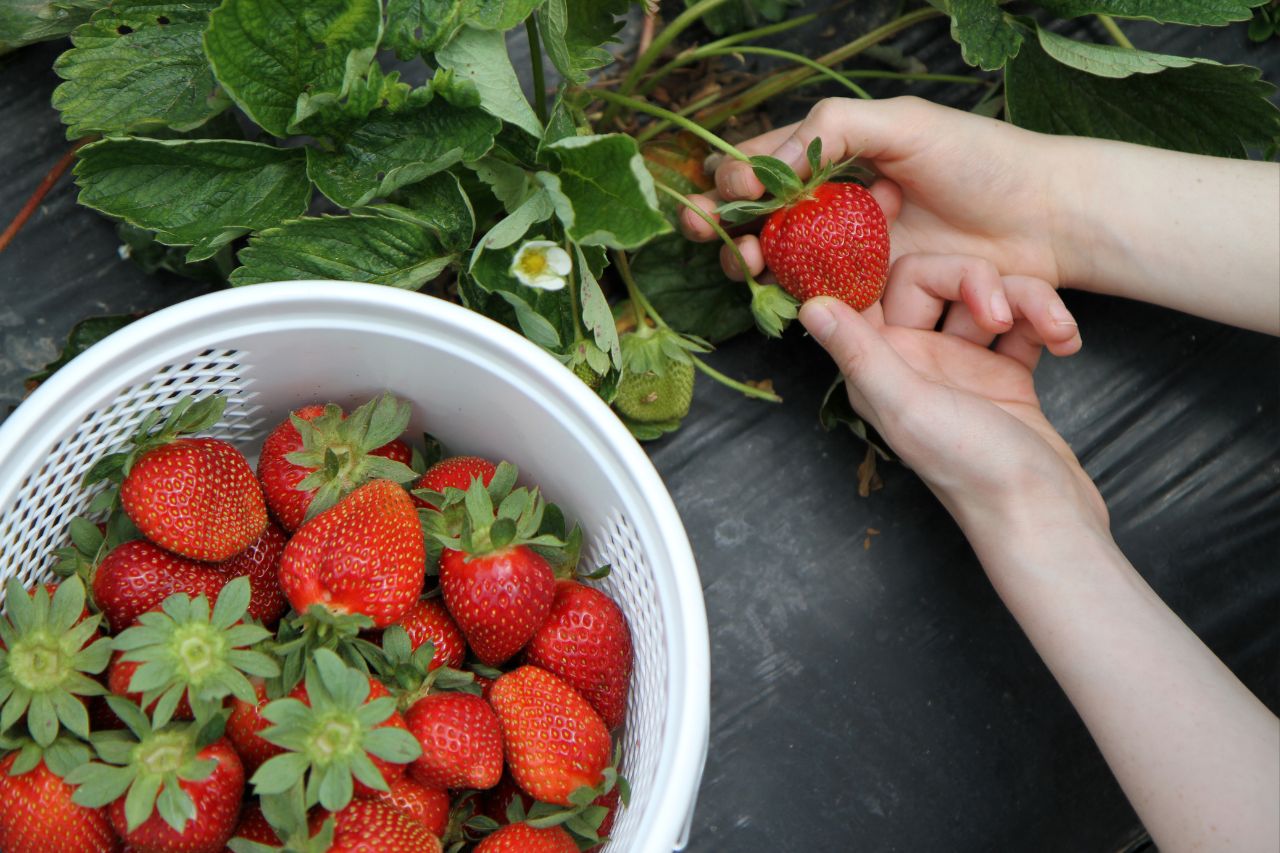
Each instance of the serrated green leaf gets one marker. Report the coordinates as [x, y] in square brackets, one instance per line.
[439, 203]
[24, 22]
[1054, 86]
[739, 15]
[538, 207]
[267, 53]
[595, 310]
[501, 15]
[688, 288]
[984, 31]
[128, 72]
[1212, 13]
[372, 249]
[424, 26]
[602, 192]
[481, 57]
[574, 30]
[199, 193]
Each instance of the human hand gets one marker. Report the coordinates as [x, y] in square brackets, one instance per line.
[959, 406]
[951, 182]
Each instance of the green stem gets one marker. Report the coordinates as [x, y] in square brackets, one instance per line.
[659, 44]
[791, 57]
[656, 127]
[685, 57]
[780, 83]
[906, 75]
[715, 226]
[1117, 35]
[640, 106]
[576, 308]
[758, 393]
[638, 302]
[535, 60]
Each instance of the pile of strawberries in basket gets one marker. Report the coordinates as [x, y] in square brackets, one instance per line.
[357, 647]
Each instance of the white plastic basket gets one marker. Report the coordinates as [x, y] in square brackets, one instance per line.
[474, 384]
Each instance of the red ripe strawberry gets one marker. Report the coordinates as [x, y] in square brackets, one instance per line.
[461, 741]
[137, 576]
[196, 497]
[609, 801]
[291, 456]
[365, 555]
[371, 826]
[260, 562]
[429, 620]
[498, 599]
[456, 472]
[523, 838]
[244, 730]
[428, 806]
[254, 827]
[37, 815]
[217, 807]
[498, 799]
[120, 673]
[834, 242]
[554, 740]
[585, 641]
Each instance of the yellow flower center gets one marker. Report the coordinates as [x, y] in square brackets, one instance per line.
[533, 263]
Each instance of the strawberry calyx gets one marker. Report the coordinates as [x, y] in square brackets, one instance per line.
[47, 653]
[339, 449]
[407, 674]
[584, 817]
[144, 764]
[467, 521]
[90, 543]
[784, 185]
[329, 738]
[302, 635]
[187, 649]
[61, 757]
[286, 814]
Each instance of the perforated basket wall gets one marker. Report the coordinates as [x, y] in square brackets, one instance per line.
[490, 394]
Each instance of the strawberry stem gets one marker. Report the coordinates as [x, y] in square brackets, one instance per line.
[857, 90]
[42, 190]
[659, 44]
[715, 226]
[748, 390]
[658, 112]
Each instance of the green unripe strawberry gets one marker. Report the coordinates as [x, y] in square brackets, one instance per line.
[650, 398]
[583, 371]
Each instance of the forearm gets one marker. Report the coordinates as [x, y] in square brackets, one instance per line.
[1194, 233]
[1196, 753]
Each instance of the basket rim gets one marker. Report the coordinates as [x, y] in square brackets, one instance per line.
[681, 762]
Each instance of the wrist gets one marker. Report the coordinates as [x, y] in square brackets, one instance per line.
[1074, 230]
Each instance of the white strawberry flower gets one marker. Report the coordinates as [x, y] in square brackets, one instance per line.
[541, 264]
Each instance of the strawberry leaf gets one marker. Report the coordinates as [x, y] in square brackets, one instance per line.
[481, 57]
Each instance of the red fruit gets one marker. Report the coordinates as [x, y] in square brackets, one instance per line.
[498, 599]
[461, 741]
[371, 826]
[586, 642]
[498, 799]
[137, 576]
[428, 806]
[553, 739]
[280, 477]
[120, 673]
[196, 497]
[456, 472]
[390, 772]
[523, 838]
[244, 730]
[610, 802]
[833, 243]
[429, 620]
[217, 809]
[260, 562]
[364, 555]
[37, 815]
[254, 827]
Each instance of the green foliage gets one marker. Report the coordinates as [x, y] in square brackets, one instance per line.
[83, 335]
[24, 22]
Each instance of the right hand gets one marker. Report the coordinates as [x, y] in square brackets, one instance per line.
[950, 182]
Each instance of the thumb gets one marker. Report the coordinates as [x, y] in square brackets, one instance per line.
[876, 376]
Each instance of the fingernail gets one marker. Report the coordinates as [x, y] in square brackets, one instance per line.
[818, 319]
[1000, 310]
[1061, 315]
[790, 152]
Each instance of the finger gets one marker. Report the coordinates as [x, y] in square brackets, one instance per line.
[693, 225]
[1037, 301]
[889, 196]
[1022, 343]
[749, 246]
[847, 128]
[960, 323]
[877, 378]
[921, 286]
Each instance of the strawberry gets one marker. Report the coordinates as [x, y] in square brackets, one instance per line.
[461, 741]
[37, 815]
[254, 826]
[260, 562]
[341, 730]
[586, 642]
[51, 648]
[428, 620]
[166, 789]
[371, 826]
[554, 741]
[496, 586]
[455, 472]
[652, 398]
[428, 806]
[189, 651]
[137, 576]
[317, 455]
[523, 838]
[120, 673]
[834, 241]
[496, 802]
[363, 556]
[245, 727]
[507, 803]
